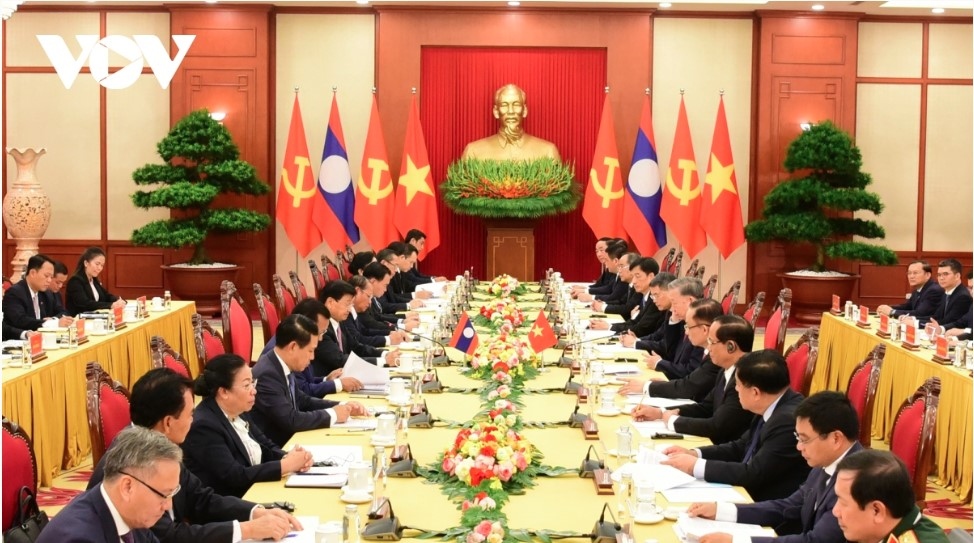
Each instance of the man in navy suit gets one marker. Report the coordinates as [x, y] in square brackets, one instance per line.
[141, 477]
[957, 299]
[765, 460]
[926, 296]
[29, 303]
[828, 430]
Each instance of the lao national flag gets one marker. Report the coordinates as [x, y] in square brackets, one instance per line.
[640, 209]
[465, 337]
[335, 211]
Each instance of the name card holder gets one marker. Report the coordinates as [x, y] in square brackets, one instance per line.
[37, 352]
[883, 331]
[590, 429]
[119, 317]
[836, 306]
[942, 353]
[603, 481]
[863, 321]
[910, 339]
[582, 394]
[81, 335]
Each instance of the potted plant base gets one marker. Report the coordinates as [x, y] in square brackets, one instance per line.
[811, 293]
[200, 284]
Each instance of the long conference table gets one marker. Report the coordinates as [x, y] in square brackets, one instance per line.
[565, 503]
[843, 345]
[48, 400]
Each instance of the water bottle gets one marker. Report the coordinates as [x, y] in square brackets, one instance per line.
[623, 442]
[25, 356]
[167, 300]
[350, 526]
[378, 455]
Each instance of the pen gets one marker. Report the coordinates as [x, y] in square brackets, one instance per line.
[358, 430]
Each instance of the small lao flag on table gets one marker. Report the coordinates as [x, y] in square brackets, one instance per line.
[465, 337]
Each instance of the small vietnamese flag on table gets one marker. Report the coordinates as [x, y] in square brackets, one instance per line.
[541, 335]
[465, 337]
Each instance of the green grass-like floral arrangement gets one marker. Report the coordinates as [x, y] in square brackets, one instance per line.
[520, 189]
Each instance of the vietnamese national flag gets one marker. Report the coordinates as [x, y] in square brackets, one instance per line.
[375, 199]
[640, 210]
[297, 193]
[720, 210]
[541, 335]
[415, 205]
[602, 209]
[334, 210]
[681, 195]
[465, 337]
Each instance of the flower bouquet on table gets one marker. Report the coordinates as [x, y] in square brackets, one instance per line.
[505, 286]
[489, 458]
[505, 360]
[496, 313]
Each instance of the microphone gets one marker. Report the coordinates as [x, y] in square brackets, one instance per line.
[438, 360]
[384, 525]
[588, 467]
[605, 532]
[565, 361]
[576, 420]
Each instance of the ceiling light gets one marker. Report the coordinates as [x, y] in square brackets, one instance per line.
[218, 116]
[362, 2]
[818, 7]
[665, 5]
[514, 3]
[923, 4]
[938, 11]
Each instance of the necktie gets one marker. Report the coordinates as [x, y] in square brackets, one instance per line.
[338, 335]
[128, 537]
[755, 435]
[822, 489]
[37, 307]
[290, 386]
[719, 389]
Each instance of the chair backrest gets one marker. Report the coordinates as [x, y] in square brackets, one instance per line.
[342, 262]
[269, 318]
[861, 390]
[164, 356]
[349, 253]
[677, 264]
[283, 296]
[668, 260]
[729, 301]
[710, 286]
[913, 432]
[332, 271]
[238, 332]
[774, 333]
[692, 270]
[316, 276]
[209, 342]
[754, 309]
[300, 292]
[801, 357]
[701, 271]
[6, 283]
[19, 470]
[107, 402]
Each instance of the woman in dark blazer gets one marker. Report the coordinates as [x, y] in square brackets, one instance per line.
[85, 292]
[224, 448]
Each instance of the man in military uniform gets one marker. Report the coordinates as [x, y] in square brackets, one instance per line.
[875, 502]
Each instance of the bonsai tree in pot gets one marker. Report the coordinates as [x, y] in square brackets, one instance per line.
[201, 162]
[815, 208]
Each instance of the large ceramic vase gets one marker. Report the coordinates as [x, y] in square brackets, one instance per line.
[811, 296]
[26, 208]
[200, 284]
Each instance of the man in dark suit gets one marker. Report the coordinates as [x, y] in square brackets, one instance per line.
[417, 239]
[719, 416]
[29, 303]
[613, 290]
[957, 299]
[357, 327]
[141, 476]
[162, 401]
[828, 430]
[676, 356]
[395, 299]
[402, 283]
[281, 409]
[923, 300]
[765, 460]
[378, 317]
[641, 313]
[338, 342]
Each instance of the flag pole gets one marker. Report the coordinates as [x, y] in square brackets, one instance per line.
[720, 256]
[297, 256]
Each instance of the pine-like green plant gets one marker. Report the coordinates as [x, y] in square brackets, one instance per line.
[809, 208]
[201, 162]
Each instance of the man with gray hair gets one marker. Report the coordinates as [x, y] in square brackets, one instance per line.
[141, 477]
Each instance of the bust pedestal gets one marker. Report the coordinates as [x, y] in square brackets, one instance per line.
[510, 248]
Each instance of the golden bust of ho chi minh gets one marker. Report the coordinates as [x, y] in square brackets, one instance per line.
[510, 142]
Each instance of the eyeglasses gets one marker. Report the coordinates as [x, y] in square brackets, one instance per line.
[623, 266]
[945, 274]
[688, 328]
[156, 492]
[806, 441]
[711, 341]
[251, 385]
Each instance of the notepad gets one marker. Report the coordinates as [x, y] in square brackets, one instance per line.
[690, 529]
[313, 480]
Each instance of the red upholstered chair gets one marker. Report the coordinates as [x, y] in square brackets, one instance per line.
[19, 470]
[774, 333]
[754, 309]
[238, 331]
[801, 358]
[701, 271]
[317, 277]
[164, 356]
[692, 270]
[6, 284]
[209, 342]
[269, 318]
[342, 261]
[913, 433]
[108, 409]
[861, 391]
[283, 296]
[300, 292]
[710, 286]
[676, 264]
[668, 260]
[729, 301]
[333, 272]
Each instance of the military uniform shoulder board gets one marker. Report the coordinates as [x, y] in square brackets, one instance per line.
[892, 539]
[909, 537]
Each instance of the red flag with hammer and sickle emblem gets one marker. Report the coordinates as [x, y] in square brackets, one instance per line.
[681, 197]
[298, 189]
[375, 199]
[603, 205]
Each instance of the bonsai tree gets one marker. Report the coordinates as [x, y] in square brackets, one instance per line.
[201, 163]
[810, 208]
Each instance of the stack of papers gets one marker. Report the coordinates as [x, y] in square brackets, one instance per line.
[663, 477]
[702, 491]
[594, 335]
[372, 377]
[662, 403]
[691, 529]
[315, 480]
[305, 535]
